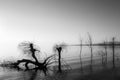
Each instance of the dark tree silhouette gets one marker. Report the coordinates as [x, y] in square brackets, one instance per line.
[91, 49]
[59, 48]
[81, 55]
[113, 49]
[33, 50]
[29, 48]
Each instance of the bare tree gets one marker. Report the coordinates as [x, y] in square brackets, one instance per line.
[105, 48]
[91, 48]
[59, 48]
[113, 49]
[81, 53]
[30, 49]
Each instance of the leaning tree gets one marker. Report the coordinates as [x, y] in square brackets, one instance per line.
[31, 49]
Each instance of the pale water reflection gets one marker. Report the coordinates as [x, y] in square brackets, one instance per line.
[74, 74]
[9, 74]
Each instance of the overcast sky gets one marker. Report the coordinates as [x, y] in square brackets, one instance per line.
[47, 22]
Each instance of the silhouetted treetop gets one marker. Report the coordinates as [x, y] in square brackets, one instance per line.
[28, 47]
[59, 47]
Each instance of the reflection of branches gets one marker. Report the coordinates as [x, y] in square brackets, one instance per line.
[33, 75]
[102, 54]
[40, 66]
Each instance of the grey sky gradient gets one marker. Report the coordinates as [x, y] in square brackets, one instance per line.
[47, 22]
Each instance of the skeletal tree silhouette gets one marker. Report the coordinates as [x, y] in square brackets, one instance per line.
[91, 49]
[59, 48]
[81, 55]
[29, 48]
[113, 49]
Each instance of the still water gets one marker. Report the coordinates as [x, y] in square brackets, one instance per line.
[9, 74]
[70, 64]
[72, 70]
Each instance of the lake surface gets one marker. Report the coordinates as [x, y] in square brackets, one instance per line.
[71, 70]
[71, 66]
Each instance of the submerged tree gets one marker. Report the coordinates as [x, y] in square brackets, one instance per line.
[103, 57]
[31, 49]
[91, 49]
[59, 48]
[81, 54]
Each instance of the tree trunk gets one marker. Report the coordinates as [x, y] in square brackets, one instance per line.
[113, 47]
[59, 62]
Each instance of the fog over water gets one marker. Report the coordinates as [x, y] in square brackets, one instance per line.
[47, 22]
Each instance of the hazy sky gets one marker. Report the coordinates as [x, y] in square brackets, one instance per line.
[47, 22]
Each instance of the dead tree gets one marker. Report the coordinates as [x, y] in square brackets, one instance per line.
[113, 49]
[81, 54]
[59, 49]
[29, 48]
[105, 48]
[91, 49]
